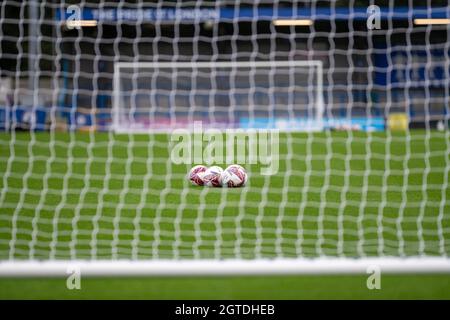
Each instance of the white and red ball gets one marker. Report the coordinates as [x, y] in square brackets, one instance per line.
[213, 176]
[196, 175]
[234, 176]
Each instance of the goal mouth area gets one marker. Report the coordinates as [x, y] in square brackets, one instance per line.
[300, 266]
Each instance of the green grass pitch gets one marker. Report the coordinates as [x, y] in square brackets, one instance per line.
[103, 196]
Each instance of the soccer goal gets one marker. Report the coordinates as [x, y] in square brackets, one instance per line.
[162, 96]
[361, 115]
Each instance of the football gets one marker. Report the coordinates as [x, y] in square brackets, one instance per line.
[213, 177]
[234, 176]
[196, 175]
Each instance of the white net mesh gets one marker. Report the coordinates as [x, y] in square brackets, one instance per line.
[86, 174]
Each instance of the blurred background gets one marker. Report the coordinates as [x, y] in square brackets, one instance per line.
[401, 66]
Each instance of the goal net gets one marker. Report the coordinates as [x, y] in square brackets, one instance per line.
[350, 105]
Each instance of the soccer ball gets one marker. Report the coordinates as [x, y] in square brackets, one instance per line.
[213, 177]
[234, 176]
[196, 175]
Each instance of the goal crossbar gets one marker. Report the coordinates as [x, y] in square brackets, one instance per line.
[300, 266]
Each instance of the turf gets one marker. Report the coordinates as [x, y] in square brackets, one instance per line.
[102, 196]
[289, 287]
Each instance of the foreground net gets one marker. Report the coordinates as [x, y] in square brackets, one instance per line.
[86, 157]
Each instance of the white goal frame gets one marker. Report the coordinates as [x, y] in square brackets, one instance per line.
[300, 266]
[116, 112]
